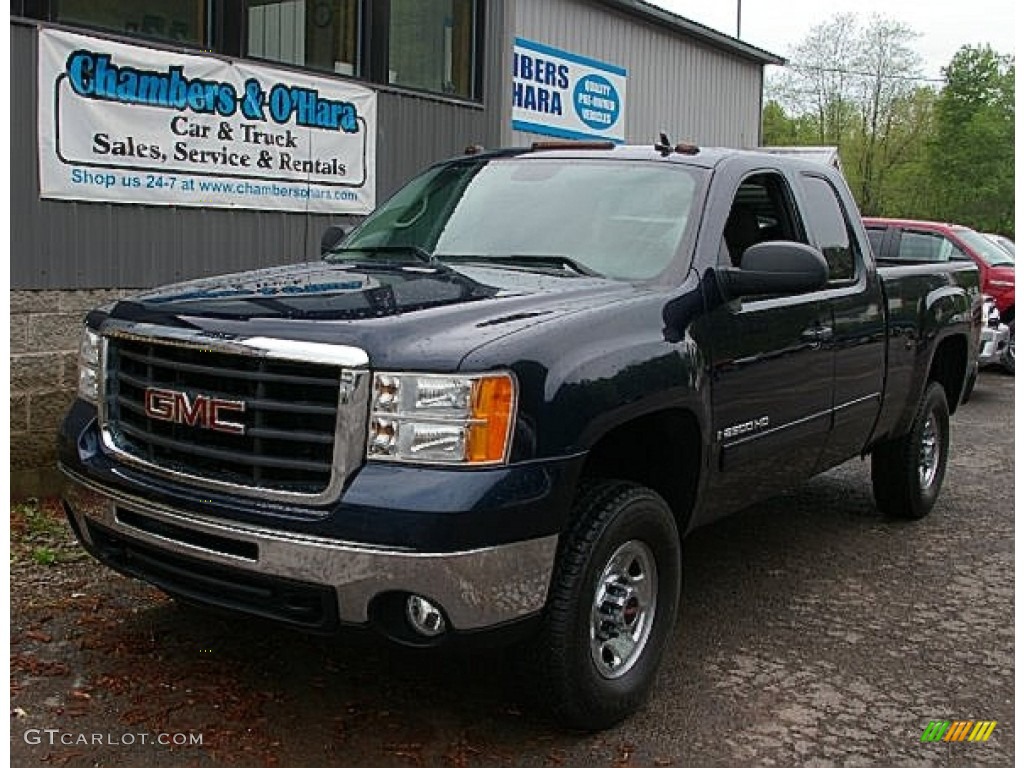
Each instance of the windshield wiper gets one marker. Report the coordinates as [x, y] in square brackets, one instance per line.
[420, 253]
[530, 260]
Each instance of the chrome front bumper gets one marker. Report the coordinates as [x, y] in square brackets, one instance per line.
[477, 588]
[993, 344]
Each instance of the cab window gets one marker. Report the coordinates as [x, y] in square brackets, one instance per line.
[761, 211]
[830, 230]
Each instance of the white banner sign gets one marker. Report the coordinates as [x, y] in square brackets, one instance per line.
[563, 94]
[129, 124]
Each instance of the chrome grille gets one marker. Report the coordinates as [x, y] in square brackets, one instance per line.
[291, 416]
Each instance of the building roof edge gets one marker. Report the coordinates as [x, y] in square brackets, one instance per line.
[675, 23]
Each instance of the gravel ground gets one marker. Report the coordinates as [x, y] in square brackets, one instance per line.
[813, 632]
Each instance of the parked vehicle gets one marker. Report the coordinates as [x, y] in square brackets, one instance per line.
[498, 405]
[900, 241]
[995, 335]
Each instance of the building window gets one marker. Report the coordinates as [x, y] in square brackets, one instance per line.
[316, 34]
[431, 45]
[183, 21]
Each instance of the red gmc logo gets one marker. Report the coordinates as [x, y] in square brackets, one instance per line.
[198, 411]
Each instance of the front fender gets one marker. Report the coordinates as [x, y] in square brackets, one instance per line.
[591, 372]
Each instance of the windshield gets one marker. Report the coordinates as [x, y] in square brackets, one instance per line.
[989, 252]
[623, 220]
[1005, 243]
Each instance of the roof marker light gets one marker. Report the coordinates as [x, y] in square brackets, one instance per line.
[541, 145]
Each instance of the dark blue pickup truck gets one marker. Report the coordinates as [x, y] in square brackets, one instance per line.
[495, 408]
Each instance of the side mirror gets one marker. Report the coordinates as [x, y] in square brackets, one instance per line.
[333, 235]
[776, 267]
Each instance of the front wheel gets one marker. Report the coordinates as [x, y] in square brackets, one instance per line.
[907, 473]
[611, 609]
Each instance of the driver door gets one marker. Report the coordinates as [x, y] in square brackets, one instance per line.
[772, 363]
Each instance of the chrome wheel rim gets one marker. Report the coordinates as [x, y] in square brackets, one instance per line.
[928, 458]
[1009, 347]
[623, 609]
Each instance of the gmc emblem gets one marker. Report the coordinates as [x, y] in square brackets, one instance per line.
[199, 411]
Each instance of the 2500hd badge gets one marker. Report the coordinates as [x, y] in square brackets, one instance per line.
[754, 425]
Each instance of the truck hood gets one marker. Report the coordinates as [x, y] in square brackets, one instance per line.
[404, 316]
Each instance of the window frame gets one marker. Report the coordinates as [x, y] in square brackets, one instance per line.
[378, 37]
[359, 68]
[48, 10]
[227, 35]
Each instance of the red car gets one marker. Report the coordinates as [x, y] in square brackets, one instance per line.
[903, 240]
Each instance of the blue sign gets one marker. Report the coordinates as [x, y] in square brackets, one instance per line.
[566, 95]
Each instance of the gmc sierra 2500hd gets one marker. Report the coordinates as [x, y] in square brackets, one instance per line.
[501, 402]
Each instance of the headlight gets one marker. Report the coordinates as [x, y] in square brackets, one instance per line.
[89, 356]
[442, 419]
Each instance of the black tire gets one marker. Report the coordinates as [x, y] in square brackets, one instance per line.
[1009, 355]
[902, 486]
[609, 518]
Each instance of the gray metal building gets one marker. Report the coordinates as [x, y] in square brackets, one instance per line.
[443, 75]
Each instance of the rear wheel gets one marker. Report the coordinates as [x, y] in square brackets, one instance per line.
[907, 473]
[611, 608]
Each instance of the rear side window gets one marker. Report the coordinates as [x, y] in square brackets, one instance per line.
[927, 247]
[829, 229]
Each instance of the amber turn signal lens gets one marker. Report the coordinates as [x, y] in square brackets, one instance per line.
[490, 428]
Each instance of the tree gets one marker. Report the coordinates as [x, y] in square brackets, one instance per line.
[908, 150]
[906, 189]
[780, 130]
[972, 153]
[887, 68]
[817, 81]
[858, 82]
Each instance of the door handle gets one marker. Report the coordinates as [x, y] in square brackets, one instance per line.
[817, 335]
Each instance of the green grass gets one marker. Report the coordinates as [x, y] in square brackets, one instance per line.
[40, 534]
[37, 522]
[45, 556]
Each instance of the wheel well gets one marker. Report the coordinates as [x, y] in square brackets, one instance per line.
[660, 450]
[949, 367]
[1007, 316]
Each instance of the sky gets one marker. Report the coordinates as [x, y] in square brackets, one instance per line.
[778, 25]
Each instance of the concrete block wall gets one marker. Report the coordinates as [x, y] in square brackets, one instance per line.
[46, 328]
